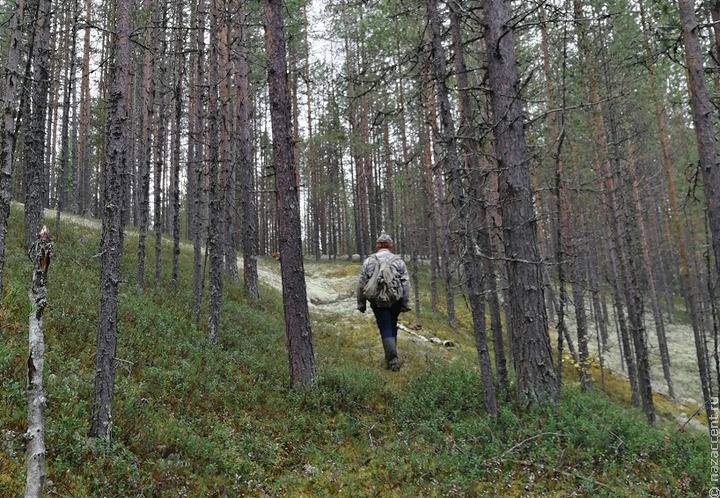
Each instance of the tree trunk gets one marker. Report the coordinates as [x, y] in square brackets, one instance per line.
[430, 204]
[197, 160]
[82, 171]
[246, 165]
[702, 119]
[10, 110]
[643, 238]
[215, 234]
[40, 253]
[228, 183]
[111, 242]
[297, 319]
[606, 185]
[145, 156]
[316, 215]
[62, 182]
[175, 191]
[536, 380]
[160, 140]
[34, 181]
[472, 263]
[477, 175]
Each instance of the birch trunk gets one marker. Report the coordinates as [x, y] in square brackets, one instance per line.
[40, 253]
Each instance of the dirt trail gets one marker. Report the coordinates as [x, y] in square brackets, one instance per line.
[327, 292]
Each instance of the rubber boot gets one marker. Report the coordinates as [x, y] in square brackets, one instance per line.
[391, 357]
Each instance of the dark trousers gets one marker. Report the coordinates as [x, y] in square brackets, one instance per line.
[387, 319]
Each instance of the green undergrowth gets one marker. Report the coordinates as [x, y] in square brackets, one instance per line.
[200, 421]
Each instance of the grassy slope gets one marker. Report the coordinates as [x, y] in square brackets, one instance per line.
[195, 421]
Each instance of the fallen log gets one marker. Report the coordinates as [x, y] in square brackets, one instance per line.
[433, 339]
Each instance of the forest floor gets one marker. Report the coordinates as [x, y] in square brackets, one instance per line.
[198, 420]
[331, 293]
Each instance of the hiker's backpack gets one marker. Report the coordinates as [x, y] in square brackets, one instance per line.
[384, 287]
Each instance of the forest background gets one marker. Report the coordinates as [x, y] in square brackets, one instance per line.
[553, 164]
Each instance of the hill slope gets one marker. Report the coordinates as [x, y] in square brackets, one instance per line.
[192, 420]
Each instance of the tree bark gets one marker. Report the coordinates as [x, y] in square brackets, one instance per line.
[703, 120]
[34, 178]
[215, 234]
[82, 171]
[40, 254]
[706, 143]
[69, 89]
[196, 162]
[160, 157]
[536, 379]
[145, 156]
[175, 190]
[228, 172]
[246, 165]
[10, 106]
[472, 263]
[111, 243]
[297, 320]
[650, 274]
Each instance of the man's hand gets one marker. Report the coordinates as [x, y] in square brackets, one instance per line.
[361, 308]
[405, 309]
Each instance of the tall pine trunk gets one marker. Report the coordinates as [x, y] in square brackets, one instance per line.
[246, 165]
[215, 234]
[706, 143]
[10, 106]
[703, 119]
[145, 156]
[297, 319]
[196, 162]
[82, 171]
[536, 379]
[472, 263]
[176, 148]
[111, 242]
[69, 89]
[34, 178]
[160, 156]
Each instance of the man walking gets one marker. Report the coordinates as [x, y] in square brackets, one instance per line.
[386, 309]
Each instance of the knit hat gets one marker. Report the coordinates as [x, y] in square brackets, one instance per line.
[384, 239]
